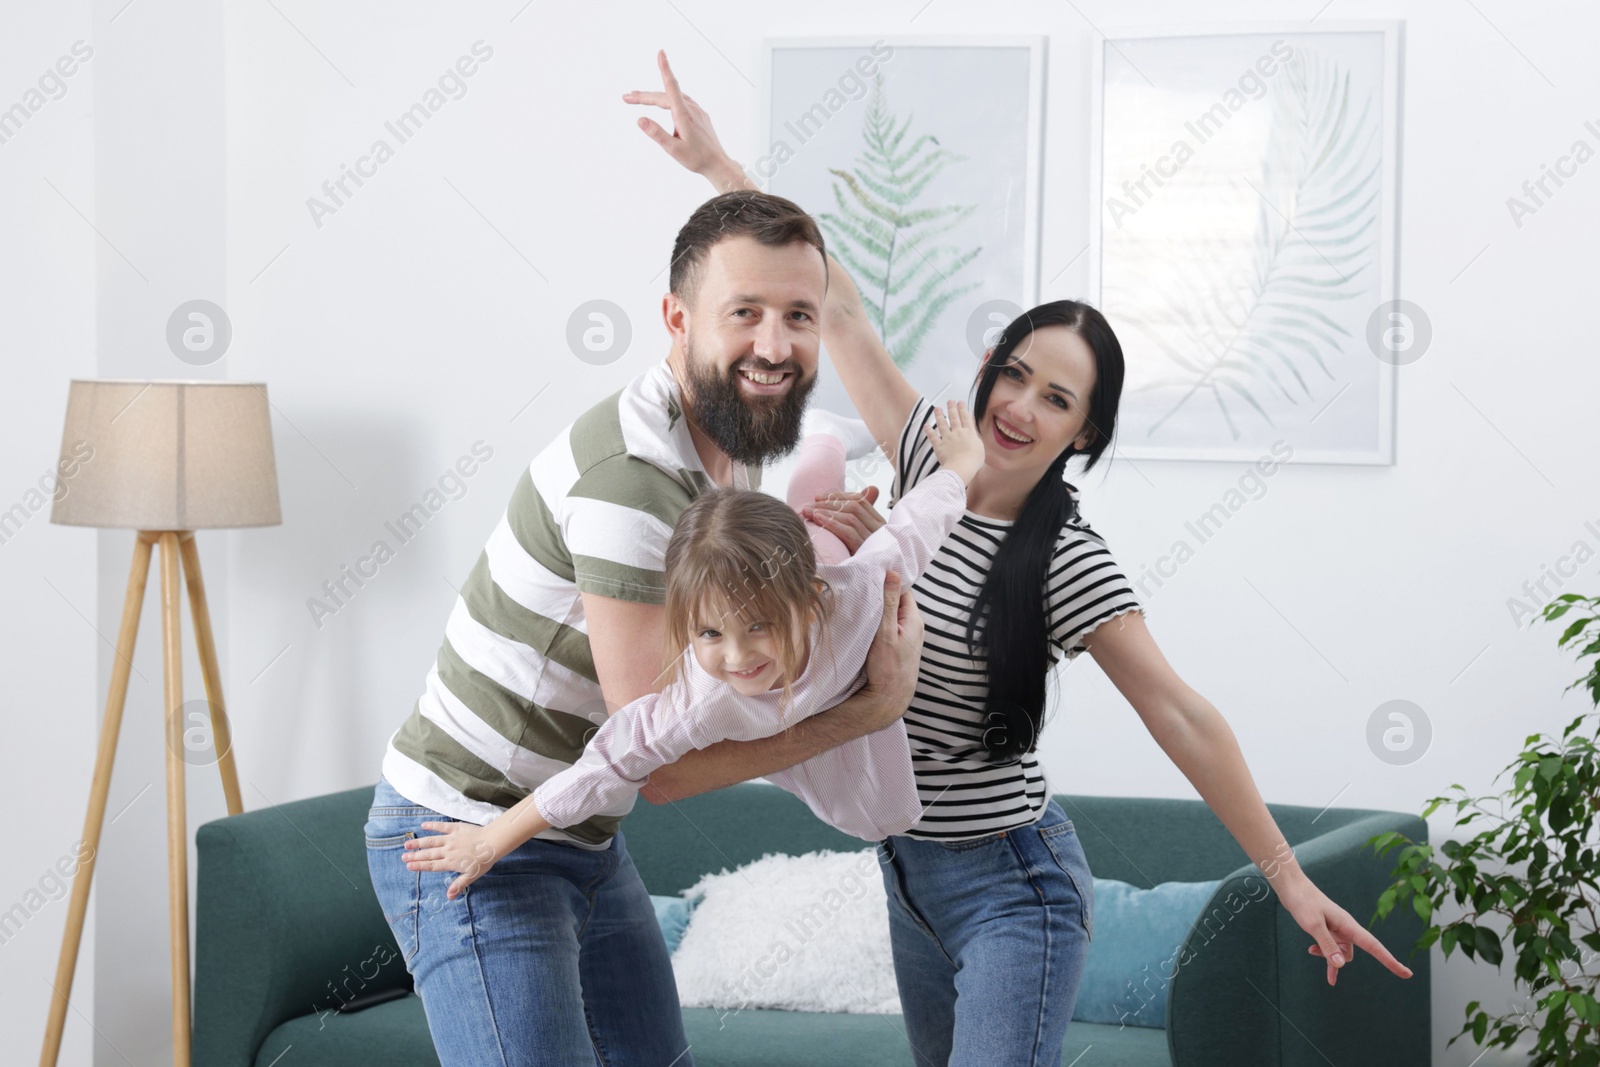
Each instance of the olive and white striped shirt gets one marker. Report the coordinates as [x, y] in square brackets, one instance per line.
[513, 696]
[964, 794]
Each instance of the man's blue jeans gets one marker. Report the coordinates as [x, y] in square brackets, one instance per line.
[554, 957]
[990, 940]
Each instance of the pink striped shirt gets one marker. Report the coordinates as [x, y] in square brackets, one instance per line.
[865, 787]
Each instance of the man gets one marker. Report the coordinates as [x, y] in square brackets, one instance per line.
[554, 955]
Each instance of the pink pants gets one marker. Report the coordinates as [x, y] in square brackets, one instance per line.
[818, 471]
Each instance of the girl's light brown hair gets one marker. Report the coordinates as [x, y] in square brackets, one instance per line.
[745, 554]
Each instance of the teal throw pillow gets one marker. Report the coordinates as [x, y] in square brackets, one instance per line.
[673, 915]
[1134, 954]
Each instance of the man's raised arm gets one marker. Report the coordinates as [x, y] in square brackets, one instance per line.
[626, 639]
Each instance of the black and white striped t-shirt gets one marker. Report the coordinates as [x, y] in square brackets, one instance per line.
[965, 795]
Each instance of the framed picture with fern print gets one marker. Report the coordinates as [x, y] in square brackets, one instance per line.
[920, 159]
[1243, 186]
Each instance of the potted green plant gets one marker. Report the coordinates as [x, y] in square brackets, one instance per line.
[1545, 826]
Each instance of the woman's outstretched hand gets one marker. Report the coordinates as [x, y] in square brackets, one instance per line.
[1335, 930]
[692, 141]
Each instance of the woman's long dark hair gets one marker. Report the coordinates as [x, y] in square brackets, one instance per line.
[1011, 605]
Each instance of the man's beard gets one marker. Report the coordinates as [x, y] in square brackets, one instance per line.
[748, 429]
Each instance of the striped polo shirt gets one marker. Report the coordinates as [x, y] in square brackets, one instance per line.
[513, 696]
[963, 794]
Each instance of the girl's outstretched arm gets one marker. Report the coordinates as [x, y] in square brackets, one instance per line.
[925, 515]
[469, 849]
[878, 390]
[647, 734]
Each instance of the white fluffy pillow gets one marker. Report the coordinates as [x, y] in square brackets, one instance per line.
[801, 933]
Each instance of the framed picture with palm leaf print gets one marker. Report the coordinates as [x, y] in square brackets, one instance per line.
[920, 159]
[1243, 206]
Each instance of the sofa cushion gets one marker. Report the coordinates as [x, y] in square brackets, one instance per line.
[394, 1034]
[672, 915]
[1137, 936]
[801, 933]
[806, 1039]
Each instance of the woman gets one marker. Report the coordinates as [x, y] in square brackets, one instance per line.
[990, 898]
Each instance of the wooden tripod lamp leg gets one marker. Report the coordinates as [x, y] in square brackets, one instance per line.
[177, 830]
[110, 729]
[179, 555]
[220, 733]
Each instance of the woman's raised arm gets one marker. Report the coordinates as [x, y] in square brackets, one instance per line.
[880, 393]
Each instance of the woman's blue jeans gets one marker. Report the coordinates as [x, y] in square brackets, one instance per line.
[554, 957]
[990, 939]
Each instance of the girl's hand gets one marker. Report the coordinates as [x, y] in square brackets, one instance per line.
[955, 439]
[692, 141]
[458, 846]
[1336, 931]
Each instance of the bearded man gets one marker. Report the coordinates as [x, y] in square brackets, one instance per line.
[554, 956]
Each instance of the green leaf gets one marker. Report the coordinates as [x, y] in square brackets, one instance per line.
[1386, 902]
[1487, 943]
[1573, 630]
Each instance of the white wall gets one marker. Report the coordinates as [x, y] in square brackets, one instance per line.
[429, 313]
[160, 171]
[48, 577]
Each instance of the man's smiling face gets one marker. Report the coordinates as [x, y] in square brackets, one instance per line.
[751, 334]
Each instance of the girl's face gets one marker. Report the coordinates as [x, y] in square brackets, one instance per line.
[1039, 403]
[746, 655]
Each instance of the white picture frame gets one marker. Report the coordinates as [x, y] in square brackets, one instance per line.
[1175, 282]
[950, 90]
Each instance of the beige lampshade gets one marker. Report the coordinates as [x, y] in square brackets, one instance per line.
[167, 455]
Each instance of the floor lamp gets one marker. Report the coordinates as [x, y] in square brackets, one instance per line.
[166, 459]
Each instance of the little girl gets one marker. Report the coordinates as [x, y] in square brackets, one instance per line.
[747, 605]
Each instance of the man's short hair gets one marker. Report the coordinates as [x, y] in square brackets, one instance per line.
[771, 220]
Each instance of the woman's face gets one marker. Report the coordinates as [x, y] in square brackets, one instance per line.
[1039, 403]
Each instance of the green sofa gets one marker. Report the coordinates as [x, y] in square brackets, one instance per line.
[288, 929]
